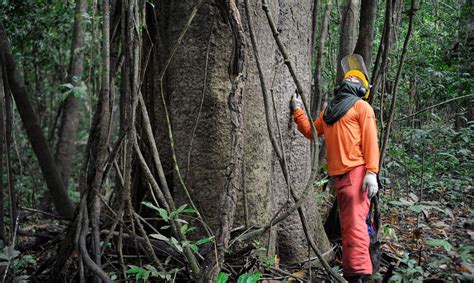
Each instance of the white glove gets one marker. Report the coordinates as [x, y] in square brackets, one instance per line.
[370, 181]
[296, 102]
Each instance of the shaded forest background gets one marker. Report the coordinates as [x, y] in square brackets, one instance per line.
[152, 140]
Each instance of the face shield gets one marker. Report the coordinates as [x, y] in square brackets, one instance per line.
[353, 65]
[354, 62]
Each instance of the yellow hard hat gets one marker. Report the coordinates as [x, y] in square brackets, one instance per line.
[362, 77]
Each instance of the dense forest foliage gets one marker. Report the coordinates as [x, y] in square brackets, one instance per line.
[153, 141]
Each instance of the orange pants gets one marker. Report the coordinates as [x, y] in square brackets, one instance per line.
[353, 210]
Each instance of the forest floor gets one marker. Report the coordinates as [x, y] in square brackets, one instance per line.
[430, 243]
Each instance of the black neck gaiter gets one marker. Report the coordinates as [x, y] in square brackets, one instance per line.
[346, 97]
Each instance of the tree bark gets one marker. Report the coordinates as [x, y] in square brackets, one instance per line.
[200, 61]
[368, 11]
[35, 134]
[347, 33]
[71, 115]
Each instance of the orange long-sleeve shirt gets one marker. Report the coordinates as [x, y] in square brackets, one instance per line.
[350, 142]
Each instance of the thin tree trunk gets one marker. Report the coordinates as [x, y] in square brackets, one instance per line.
[314, 26]
[35, 134]
[413, 93]
[71, 113]
[92, 175]
[395, 86]
[347, 33]
[383, 52]
[101, 143]
[317, 96]
[368, 11]
[2, 147]
[9, 150]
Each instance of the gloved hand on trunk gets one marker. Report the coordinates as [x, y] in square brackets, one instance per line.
[370, 183]
[296, 102]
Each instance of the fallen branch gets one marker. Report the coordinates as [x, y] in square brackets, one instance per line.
[284, 273]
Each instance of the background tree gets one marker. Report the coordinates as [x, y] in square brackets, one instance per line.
[34, 131]
[368, 11]
[70, 108]
[348, 32]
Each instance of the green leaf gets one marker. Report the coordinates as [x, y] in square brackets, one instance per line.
[189, 210]
[401, 202]
[163, 213]
[137, 271]
[181, 208]
[190, 229]
[145, 275]
[203, 241]
[440, 243]
[466, 249]
[184, 228]
[416, 208]
[321, 182]
[181, 221]
[249, 278]
[150, 268]
[160, 237]
[10, 252]
[150, 205]
[67, 85]
[222, 277]
[176, 244]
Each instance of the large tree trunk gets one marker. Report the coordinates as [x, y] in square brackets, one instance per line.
[71, 114]
[35, 134]
[347, 33]
[293, 23]
[197, 87]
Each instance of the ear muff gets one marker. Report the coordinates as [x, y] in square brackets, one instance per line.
[361, 91]
[364, 89]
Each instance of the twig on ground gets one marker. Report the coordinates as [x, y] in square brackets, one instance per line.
[43, 212]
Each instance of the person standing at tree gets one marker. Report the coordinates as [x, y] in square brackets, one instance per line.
[349, 128]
